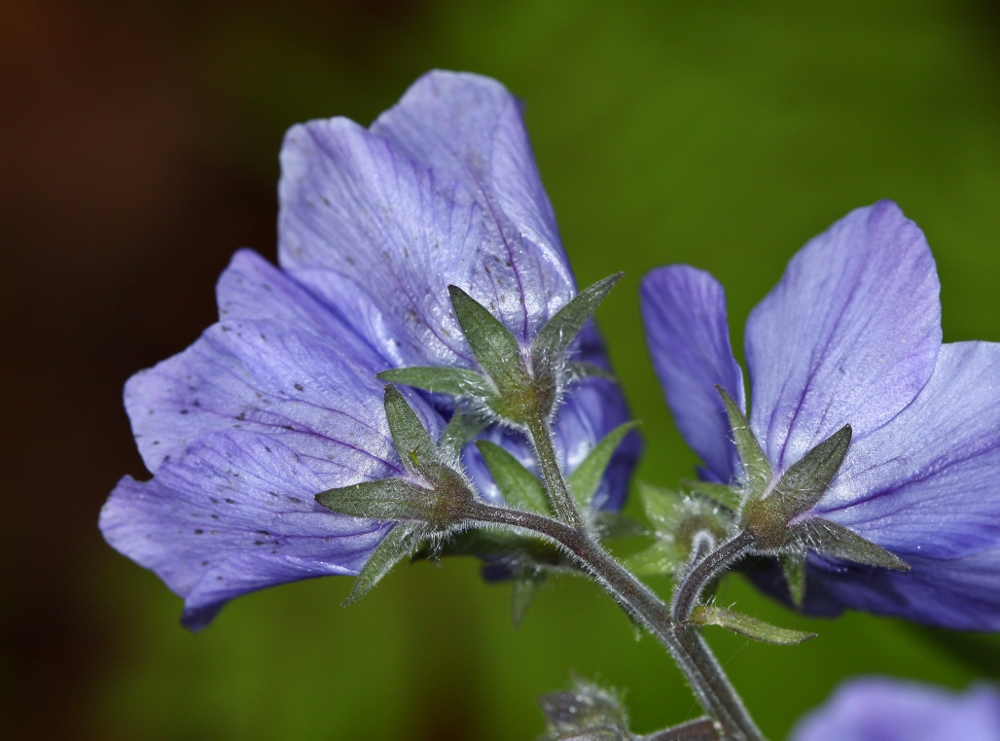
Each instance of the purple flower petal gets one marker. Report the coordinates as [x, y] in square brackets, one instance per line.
[926, 482]
[961, 593]
[402, 218]
[848, 336]
[684, 310]
[235, 515]
[876, 709]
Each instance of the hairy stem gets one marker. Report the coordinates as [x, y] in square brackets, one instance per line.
[689, 651]
[705, 570]
[555, 485]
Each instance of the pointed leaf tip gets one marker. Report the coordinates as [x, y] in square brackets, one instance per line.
[395, 546]
[496, 350]
[755, 464]
[412, 441]
[831, 539]
[586, 477]
[552, 340]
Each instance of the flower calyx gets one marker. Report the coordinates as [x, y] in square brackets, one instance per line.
[774, 509]
[515, 385]
[433, 501]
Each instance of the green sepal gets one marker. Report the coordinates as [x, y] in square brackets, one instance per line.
[660, 558]
[385, 499]
[496, 350]
[802, 485]
[662, 507]
[748, 626]
[461, 430]
[443, 380]
[413, 443]
[579, 370]
[585, 479]
[519, 486]
[395, 546]
[835, 540]
[523, 589]
[721, 494]
[793, 563]
[553, 339]
[798, 489]
[755, 465]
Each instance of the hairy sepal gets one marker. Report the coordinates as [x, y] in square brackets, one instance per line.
[747, 626]
[585, 479]
[549, 348]
[756, 468]
[519, 486]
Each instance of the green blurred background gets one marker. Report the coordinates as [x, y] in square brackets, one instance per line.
[138, 149]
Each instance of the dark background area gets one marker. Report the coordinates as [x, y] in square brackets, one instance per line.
[138, 150]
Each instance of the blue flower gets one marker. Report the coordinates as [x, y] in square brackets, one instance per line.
[874, 709]
[851, 335]
[278, 401]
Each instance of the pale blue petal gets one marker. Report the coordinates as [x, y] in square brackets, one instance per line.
[877, 709]
[961, 593]
[372, 208]
[235, 515]
[926, 483]
[848, 336]
[684, 310]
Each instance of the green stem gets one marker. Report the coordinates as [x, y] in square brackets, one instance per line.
[703, 672]
[562, 500]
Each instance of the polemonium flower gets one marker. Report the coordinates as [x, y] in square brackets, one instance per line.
[877, 709]
[851, 335]
[278, 401]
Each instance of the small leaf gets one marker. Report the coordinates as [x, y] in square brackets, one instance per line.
[755, 465]
[835, 540]
[748, 626]
[461, 430]
[552, 340]
[395, 546]
[518, 485]
[444, 380]
[661, 558]
[793, 563]
[802, 485]
[496, 350]
[718, 493]
[585, 479]
[414, 444]
[385, 499]
[523, 588]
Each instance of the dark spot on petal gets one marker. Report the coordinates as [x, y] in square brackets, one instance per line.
[258, 542]
[241, 416]
[196, 403]
[198, 532]
[230, 501]
[298, 387]
[204, 563]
